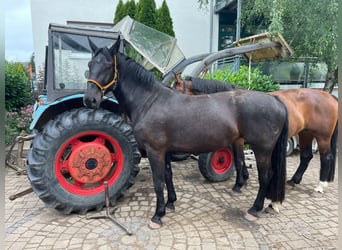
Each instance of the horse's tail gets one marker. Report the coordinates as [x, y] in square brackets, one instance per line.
[276, 187]
[333, 145]
[332, 165]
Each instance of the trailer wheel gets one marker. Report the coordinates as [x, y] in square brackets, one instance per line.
[289, 146]
[74, 154]
[217, 166]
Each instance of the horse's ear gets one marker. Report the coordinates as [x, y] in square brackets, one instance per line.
[177, 77]
[92, 45]
[115, 47]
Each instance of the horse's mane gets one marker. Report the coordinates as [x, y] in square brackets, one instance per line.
[209, 86]
[135, 70]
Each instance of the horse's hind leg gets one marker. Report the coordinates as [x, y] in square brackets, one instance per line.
[171, 193]
[241, 169]
[305, 146]
[327, 170]
[263, 160]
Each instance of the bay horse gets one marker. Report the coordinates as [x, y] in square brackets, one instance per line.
[166, 121]
[311, 113]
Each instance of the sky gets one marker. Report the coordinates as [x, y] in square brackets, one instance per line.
[18, 30]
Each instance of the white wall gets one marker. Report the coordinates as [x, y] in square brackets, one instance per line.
[191, 25]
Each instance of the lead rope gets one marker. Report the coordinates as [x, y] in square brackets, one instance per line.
[184, 86]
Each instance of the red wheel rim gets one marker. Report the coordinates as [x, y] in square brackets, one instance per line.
[86, 160]
[221, 161]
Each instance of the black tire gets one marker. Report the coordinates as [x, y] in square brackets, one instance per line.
[74, 154]
[179, 157]
[289, 147]
[217, 166]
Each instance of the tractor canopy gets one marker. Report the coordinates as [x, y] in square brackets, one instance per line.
[157, 49]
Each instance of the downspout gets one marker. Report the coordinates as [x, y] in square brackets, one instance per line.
[211, 26]
[238, 32]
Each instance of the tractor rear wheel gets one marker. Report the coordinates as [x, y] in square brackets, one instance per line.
[72, 157]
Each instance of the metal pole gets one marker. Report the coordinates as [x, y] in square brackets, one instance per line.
[211, 26]
[306, 71]
[238, 20]
[238, 32]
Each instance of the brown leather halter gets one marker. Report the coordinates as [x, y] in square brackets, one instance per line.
[108, 85]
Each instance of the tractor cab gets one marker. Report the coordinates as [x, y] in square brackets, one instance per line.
[68, 52]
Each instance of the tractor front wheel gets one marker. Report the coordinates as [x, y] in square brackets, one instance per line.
[72, 157]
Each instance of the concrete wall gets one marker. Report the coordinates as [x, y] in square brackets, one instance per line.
[191, 25]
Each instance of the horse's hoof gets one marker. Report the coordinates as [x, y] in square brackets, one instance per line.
[170, 210]
[170, 207]
[154, 225]
[236, 189]
[291, 183]
[250, 217]
[316, 194]
[270, 210]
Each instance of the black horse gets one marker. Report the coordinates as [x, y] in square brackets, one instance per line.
[165, 121]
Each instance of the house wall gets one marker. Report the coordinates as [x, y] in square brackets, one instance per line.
[191, 25]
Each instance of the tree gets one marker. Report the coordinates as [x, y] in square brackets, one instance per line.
[146, 13]
[164, 20]
[130, 8]
[310, 29]
[17, 86]
[40, 78]
[33, 64]
[119, 12]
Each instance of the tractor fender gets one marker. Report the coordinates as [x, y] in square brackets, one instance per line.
[43, 113]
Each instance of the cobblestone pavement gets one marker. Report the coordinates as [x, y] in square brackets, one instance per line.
[207, 216]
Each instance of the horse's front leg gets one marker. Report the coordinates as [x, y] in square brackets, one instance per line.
[171, 193]
[157, 161]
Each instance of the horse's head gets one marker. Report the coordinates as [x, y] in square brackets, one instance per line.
[178, 82]
[102, 74]
[182, 85]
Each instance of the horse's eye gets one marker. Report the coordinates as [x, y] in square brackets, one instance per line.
[108, 65]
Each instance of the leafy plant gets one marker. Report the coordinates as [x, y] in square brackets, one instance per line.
[17, 86]
[258, 81]
[17, 122]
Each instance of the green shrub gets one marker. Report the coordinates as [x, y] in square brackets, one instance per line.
[17, 87]
[258, 81]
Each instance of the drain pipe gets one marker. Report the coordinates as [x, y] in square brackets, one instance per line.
[238, 32]
[211, 26]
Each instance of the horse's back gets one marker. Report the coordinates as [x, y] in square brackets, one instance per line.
[260, 116]
[308, 108]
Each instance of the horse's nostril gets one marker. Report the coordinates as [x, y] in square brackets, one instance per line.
[89, 102]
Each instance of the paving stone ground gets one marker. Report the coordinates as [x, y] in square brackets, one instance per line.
[207, 216]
